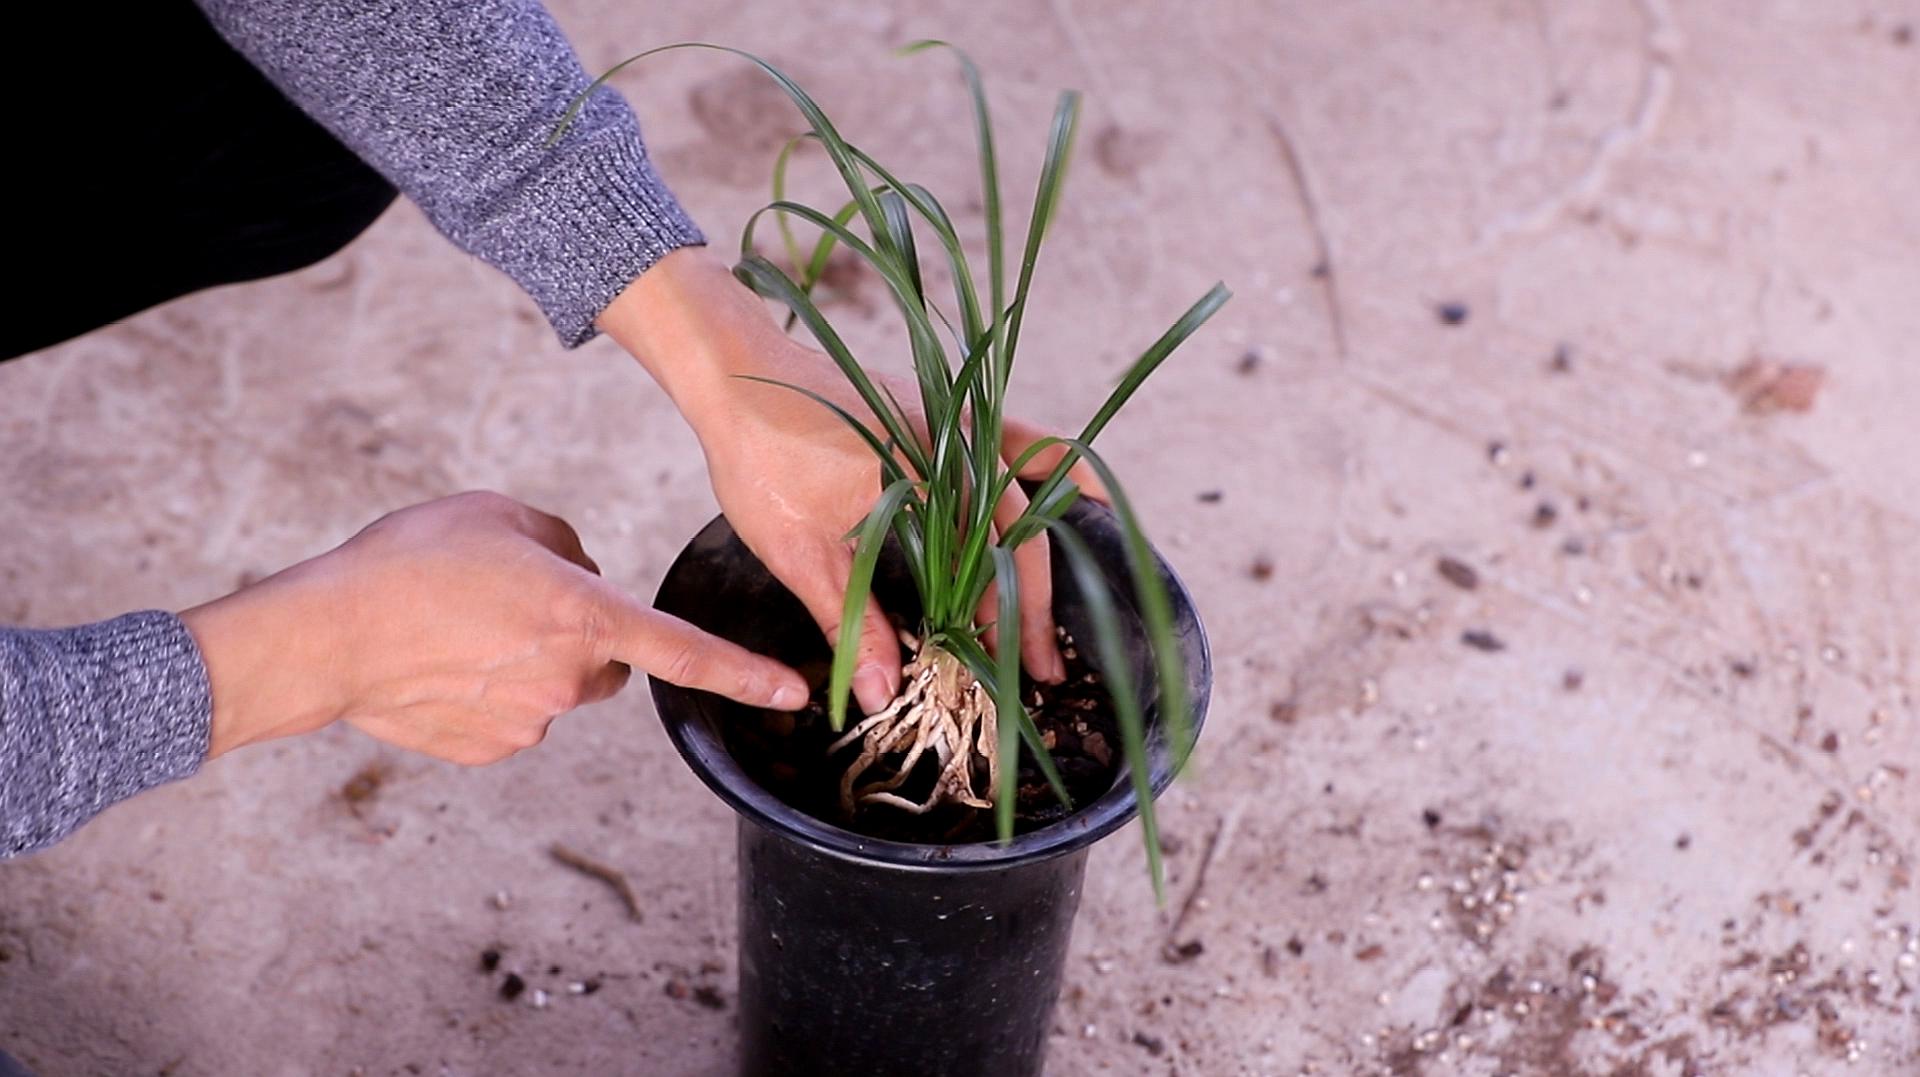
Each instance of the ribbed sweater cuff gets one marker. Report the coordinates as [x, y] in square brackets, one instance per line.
[610, 218]
[92, 715]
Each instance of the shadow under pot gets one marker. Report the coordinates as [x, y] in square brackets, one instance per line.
[861, 955]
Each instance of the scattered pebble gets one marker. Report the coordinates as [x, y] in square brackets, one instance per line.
[1765, 386]
[1183, 953]
[1284, 711]
[1154, 1045]
[1249, 362]
[1452, 312]
[512, 986]
[1562, 361]
[1095, 745]
[1431, 818]
[540, 999]
[501, 900]
[1572, 679]
[1544, 514]
[365, 785]
[710, 997]
[1211, 497]
[1262, 568]
[1482, 640]
[1458, 573]
[489, 960]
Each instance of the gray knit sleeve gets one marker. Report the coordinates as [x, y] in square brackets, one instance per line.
[92, 715]
[453, 101]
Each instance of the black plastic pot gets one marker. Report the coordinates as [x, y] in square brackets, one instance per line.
[860, 956]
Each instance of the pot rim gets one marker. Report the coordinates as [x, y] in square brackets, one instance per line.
[685, 714]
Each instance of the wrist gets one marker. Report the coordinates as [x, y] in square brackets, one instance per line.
[695, 328]
[263, 663]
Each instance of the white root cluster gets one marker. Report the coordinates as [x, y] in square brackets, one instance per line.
[942, 708]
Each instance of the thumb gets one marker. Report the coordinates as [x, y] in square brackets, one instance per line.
[669, 648]
[876, 670]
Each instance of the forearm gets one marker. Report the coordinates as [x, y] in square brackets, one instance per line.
[92, 715]
[456, 103]
[694, 328]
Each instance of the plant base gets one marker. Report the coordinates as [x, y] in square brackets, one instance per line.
[942, 707]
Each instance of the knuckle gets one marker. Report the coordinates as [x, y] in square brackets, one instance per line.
[683, 665]
[564, 697]
[582, 615]
[482, 500]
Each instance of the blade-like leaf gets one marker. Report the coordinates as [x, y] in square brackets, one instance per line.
[1156, 606]
[929, 358]
[989, 188]
[866, 554]
[889, 464]
[787, 238]
[968, 650]
[1149, 361]
[766, 279]
[1119, 678]
[1053, 174]
[1006, 691]
[823, 128]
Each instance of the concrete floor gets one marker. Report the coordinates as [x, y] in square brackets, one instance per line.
[1662, 819]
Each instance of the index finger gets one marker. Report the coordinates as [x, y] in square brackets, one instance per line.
[675, 651]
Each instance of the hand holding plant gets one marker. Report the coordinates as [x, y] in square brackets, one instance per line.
[789, 474]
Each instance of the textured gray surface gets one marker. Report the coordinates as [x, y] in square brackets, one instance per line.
[1717, 826]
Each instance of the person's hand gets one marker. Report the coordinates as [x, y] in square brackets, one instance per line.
[790, 476]
[459, 628]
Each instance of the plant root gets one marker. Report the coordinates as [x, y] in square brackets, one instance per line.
[941, 709]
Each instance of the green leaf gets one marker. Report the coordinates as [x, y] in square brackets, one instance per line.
[787, 237]
[1046, 198]
[1006, 692]
[889, 465]
[968, 649]
[1156, 606]
[1136, 375]
[929, 358]
[823, 128]
[766, 278]
[1126, 702]
[866, 555]
[989, 189]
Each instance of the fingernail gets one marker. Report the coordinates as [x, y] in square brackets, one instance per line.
[872, 688]
[788, 697]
